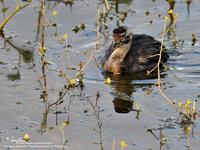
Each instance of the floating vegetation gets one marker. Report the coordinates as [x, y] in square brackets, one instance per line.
[79, 28]
[108, 80]
[123, 144]
[189, 111]
[26, 137]
[193, 39]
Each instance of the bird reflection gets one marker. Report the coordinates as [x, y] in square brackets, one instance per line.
[122, 92]
[123, 89]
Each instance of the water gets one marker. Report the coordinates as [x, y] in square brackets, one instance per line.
[22, 110]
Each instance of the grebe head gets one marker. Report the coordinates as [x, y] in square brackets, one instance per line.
[119, 33]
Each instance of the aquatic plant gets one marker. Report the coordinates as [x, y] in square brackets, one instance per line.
[42, 53]
[171, 26]
[62, 126]
[188, 2]
[187, 109]
[194, 39]
[123, 144]
[97, 111]
[26, 137]
[108, 81]
[18, 8]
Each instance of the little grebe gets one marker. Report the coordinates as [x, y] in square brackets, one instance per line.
[132, 52]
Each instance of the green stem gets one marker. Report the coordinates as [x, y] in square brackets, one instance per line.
[17, 9]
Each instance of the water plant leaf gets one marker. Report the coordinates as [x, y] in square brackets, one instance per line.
[79, 28]
[108, 80]
[26, 137]
[188, 102]
[166, 18]
[180, 104]
[82, 26]
[54, 13]
[4, 9]
[76, 29]
[65, 124]
[123, 144]
[170, 11]
[73, 82]
[14, 76]
[42, 51]
[193, 39]
[64, 37]
[137, 106]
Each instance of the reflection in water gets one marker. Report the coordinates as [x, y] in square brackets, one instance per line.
[113, 14]
[43, 124]
[188, 131]
[53, 107]
[171, 27]
[38, 23]
[14, 76]
[3, 36]
[120, 16]
[50, 5]
[25, 54]
[123, 89]
[188, 2]
[3, 8]
[122, 106]
[66, 2]
[122, 1]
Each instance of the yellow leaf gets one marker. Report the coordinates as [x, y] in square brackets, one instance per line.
[137, 106]
[65, 36]
[166, 18]
[187, 129]
[188, 102]
[108, 80]
[42, 50]
[180, 105]
[54, 13]
[26, 137]
[175, 15]
[170, 11]
[72, 82]
[66, 123]
[123, 144]
[17, 7]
